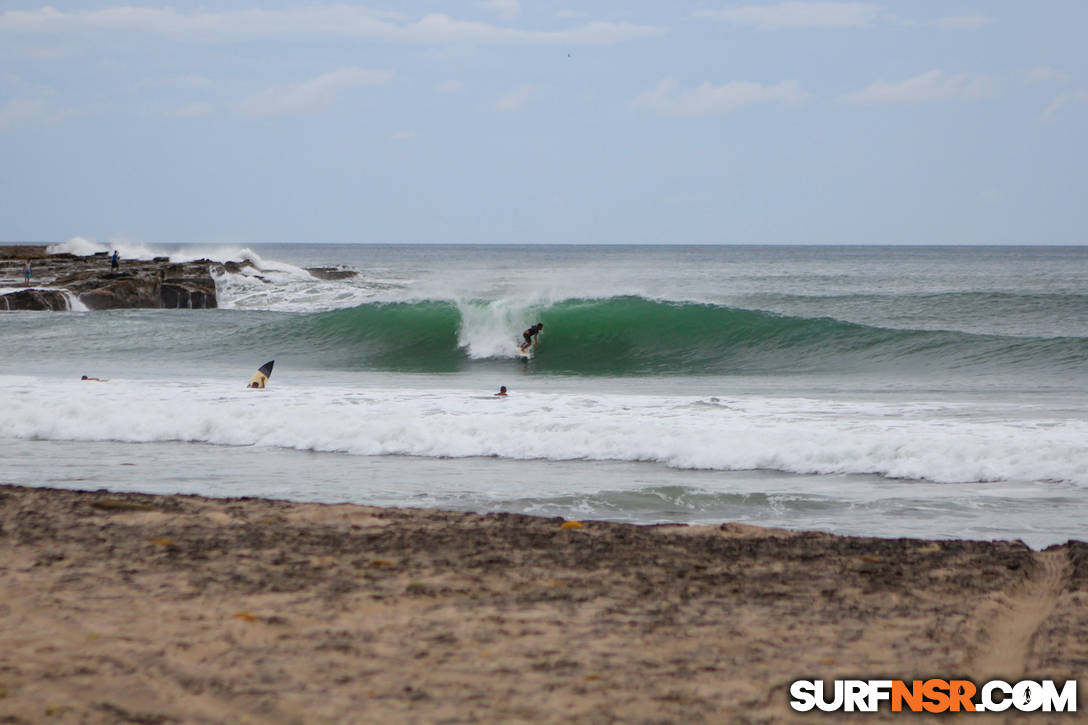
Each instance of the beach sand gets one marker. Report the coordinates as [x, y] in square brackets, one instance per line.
[118, 608]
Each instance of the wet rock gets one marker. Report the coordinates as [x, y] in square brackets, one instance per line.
[332, 273]
[138, 283]
[34, 299]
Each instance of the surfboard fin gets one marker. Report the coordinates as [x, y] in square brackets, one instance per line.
[260, 378]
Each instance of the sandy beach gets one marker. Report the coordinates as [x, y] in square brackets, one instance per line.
[119, 608]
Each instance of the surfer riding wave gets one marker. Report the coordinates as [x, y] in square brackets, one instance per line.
[531, 336]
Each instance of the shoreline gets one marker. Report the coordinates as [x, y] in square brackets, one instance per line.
[127, 607]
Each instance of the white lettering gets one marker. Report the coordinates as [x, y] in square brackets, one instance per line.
[803, 693]
[833, 705]
[1065, 701]
[856, 697]
[988, 702]
[993, 696]
[879, 690]
[1027, 696]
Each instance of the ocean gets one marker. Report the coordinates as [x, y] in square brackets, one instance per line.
[937, 392]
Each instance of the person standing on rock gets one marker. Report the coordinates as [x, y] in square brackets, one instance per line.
[26, 273]
[114, 264]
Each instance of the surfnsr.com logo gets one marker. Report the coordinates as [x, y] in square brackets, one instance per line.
[933, 695]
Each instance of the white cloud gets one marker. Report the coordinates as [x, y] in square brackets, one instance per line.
[1040, 75]
[30, 112]
[451, 86]
[795, 15]
[32, 49]
[706, 100]
[28, 104]
[190, 82]
[513, 101]
[313, 94]
[14, 81]
[186, 83]
[337, 19]
[332, 20]
[20, 111]
[506, 9]
[192, 110]
[932, 86]
[444, 29]
[1065, 99]
[964, 22]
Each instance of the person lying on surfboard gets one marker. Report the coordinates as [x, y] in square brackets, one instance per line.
[531, 336]
[502, 391]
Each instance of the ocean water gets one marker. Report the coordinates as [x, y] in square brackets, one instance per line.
[893, 391]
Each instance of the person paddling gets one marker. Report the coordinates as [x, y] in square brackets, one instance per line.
[502, 391]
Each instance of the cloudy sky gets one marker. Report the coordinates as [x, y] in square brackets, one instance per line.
[960, 121]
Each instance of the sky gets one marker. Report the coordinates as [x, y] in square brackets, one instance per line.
[523, 121]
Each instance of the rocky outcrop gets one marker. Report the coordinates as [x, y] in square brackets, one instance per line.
[156, 283]
[152, 284]
[34, 299]
[332, 273]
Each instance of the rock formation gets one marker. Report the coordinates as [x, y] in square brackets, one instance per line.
[157, 283]
[34, 299]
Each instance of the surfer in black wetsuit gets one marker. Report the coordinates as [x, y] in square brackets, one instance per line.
[531, 335]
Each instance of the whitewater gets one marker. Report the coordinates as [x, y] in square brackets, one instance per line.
[937, 392]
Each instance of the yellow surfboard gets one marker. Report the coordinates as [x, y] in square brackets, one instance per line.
[260, 378]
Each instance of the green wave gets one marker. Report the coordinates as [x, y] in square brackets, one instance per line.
[413, 337]
[637, 336]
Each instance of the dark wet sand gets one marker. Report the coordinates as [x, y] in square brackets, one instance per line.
[120, 608]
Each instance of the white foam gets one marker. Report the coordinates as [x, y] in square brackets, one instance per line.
[74, 303]
[942, 443]
[82, 247]
[493, 329]
[286, 290]
[78, 246]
